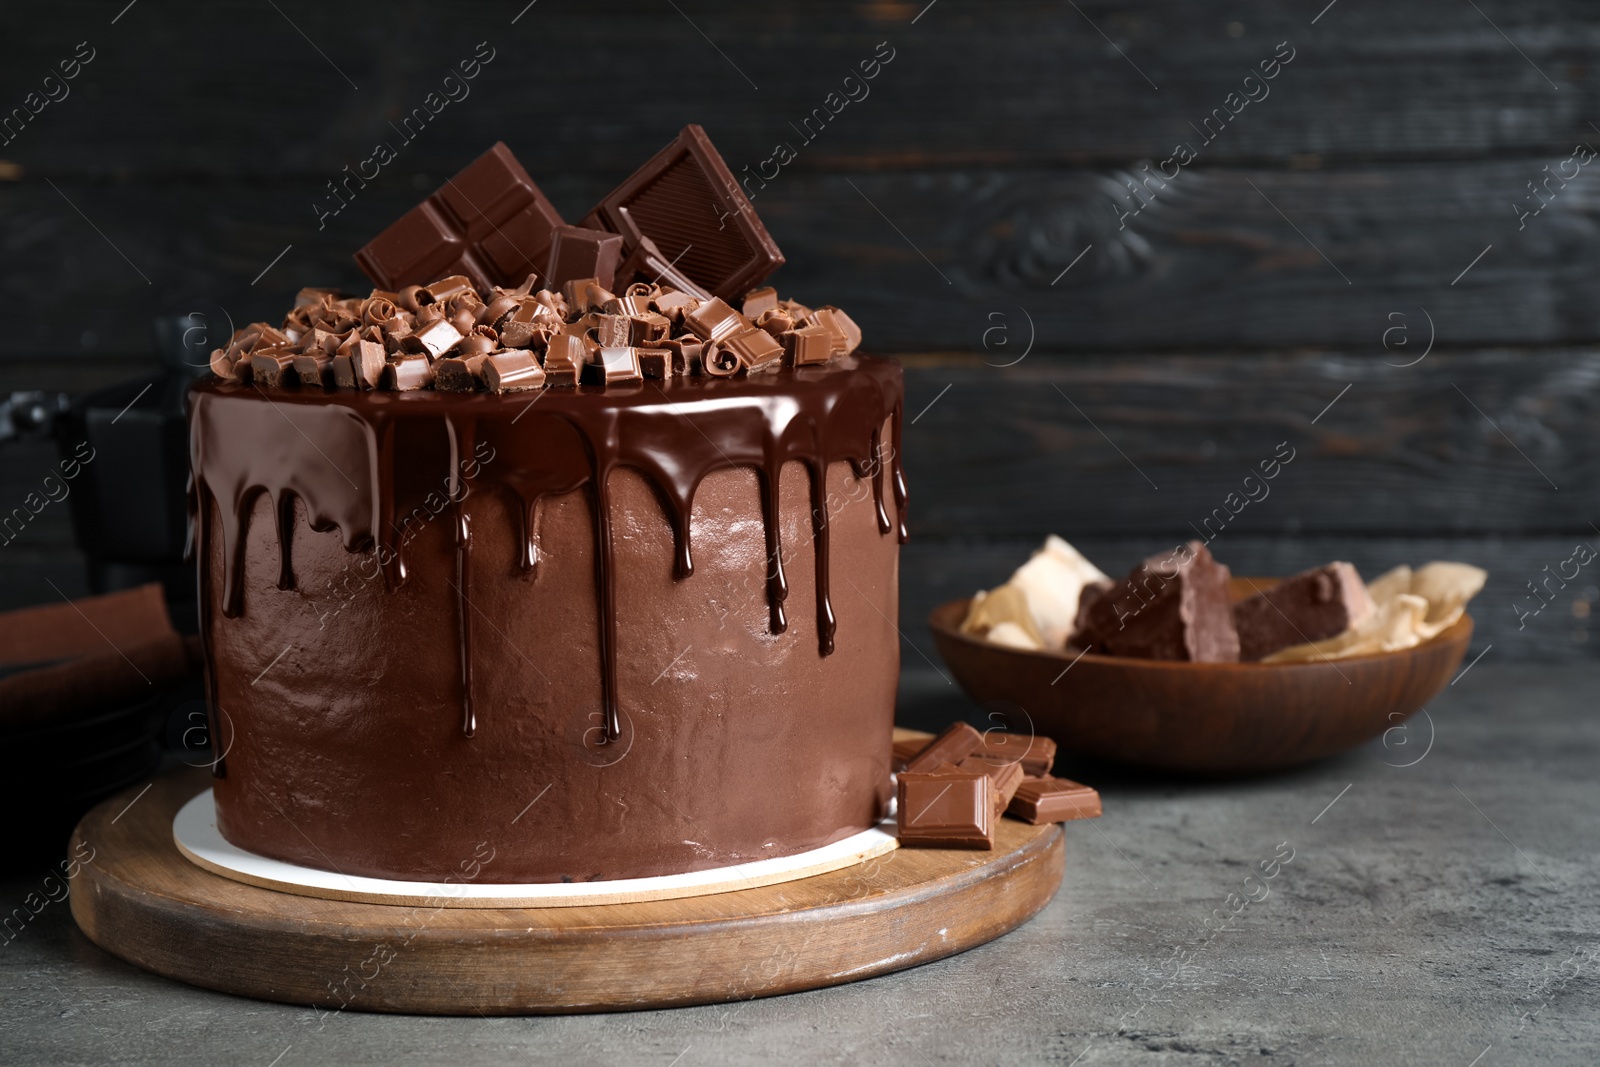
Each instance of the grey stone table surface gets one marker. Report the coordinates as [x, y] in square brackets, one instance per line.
[1442, 906]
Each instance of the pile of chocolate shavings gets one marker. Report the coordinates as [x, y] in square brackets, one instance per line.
[449, 335]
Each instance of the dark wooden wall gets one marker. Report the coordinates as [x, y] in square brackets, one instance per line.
[1110, 379]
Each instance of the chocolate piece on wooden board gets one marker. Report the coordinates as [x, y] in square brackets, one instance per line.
[755, 348]
[1173, 606]
[404, 375]
[956, 743]
[905, 751]
[612, 366]
[1035, 755]
[576, 252]
[490, 223]
[1005, 776]
[512, 372]
[806, 346]
[945, 808]
[645, 263]
[1040, 800]
[1313, 605]
[687, 201]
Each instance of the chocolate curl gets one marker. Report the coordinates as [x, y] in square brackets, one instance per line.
[480, 342]
[512, 372]
[222, 365]
[377, 310]
[312, 296]
[408, 298]
[775, 321]
[495, 310]
[719, 362]
[441, 291]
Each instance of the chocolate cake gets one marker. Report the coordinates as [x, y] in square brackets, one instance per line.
[515, 583]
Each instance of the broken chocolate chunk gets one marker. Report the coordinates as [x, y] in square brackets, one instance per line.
[512, 372]
[1005, 778]
[946, 808]
[1313, 605]
[1041, 800]
[1173, 606]
[612, 366]
[956, 743]
[686, 200]
[576, 252]
[714, 320]
[411, 372]
[1035, 755]
[807, 345]
[490, 222]
[755, 348]
[458, 374]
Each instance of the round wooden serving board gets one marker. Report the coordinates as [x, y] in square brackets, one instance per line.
[142, 900]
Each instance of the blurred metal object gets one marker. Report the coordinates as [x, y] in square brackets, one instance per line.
[30, 414]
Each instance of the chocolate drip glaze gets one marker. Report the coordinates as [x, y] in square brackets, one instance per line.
[369, 465]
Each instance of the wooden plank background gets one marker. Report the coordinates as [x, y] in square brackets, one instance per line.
[1071, 370]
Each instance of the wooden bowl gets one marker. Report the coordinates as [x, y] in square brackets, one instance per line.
[1214, 718]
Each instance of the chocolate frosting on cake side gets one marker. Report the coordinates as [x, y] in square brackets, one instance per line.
[529, 567]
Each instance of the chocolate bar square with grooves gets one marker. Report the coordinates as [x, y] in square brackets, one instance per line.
[946, 808]
[490, 223]
[687, 201]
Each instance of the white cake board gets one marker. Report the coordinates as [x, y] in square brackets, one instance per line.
[194, 831]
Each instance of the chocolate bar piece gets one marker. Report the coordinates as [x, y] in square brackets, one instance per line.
[1041, 800]
[956, 743]
[1004, 776]
[759, 301]
[490, 223]
[512, 372]
[314, 368]
[612, 366]
[1173, 606]
[1315, 604]
[807, 345]
[564, 359]
[948, 808]
[645, 263]
[411, 372]
[755, 348]
[714, 320]
[1035, 755]
[458, 374]
[841, 327]
[273, 366]
[906, 751]
[432, 340]
[686, 200]
[576, 252]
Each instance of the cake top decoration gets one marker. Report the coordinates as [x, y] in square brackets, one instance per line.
[484, 286]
